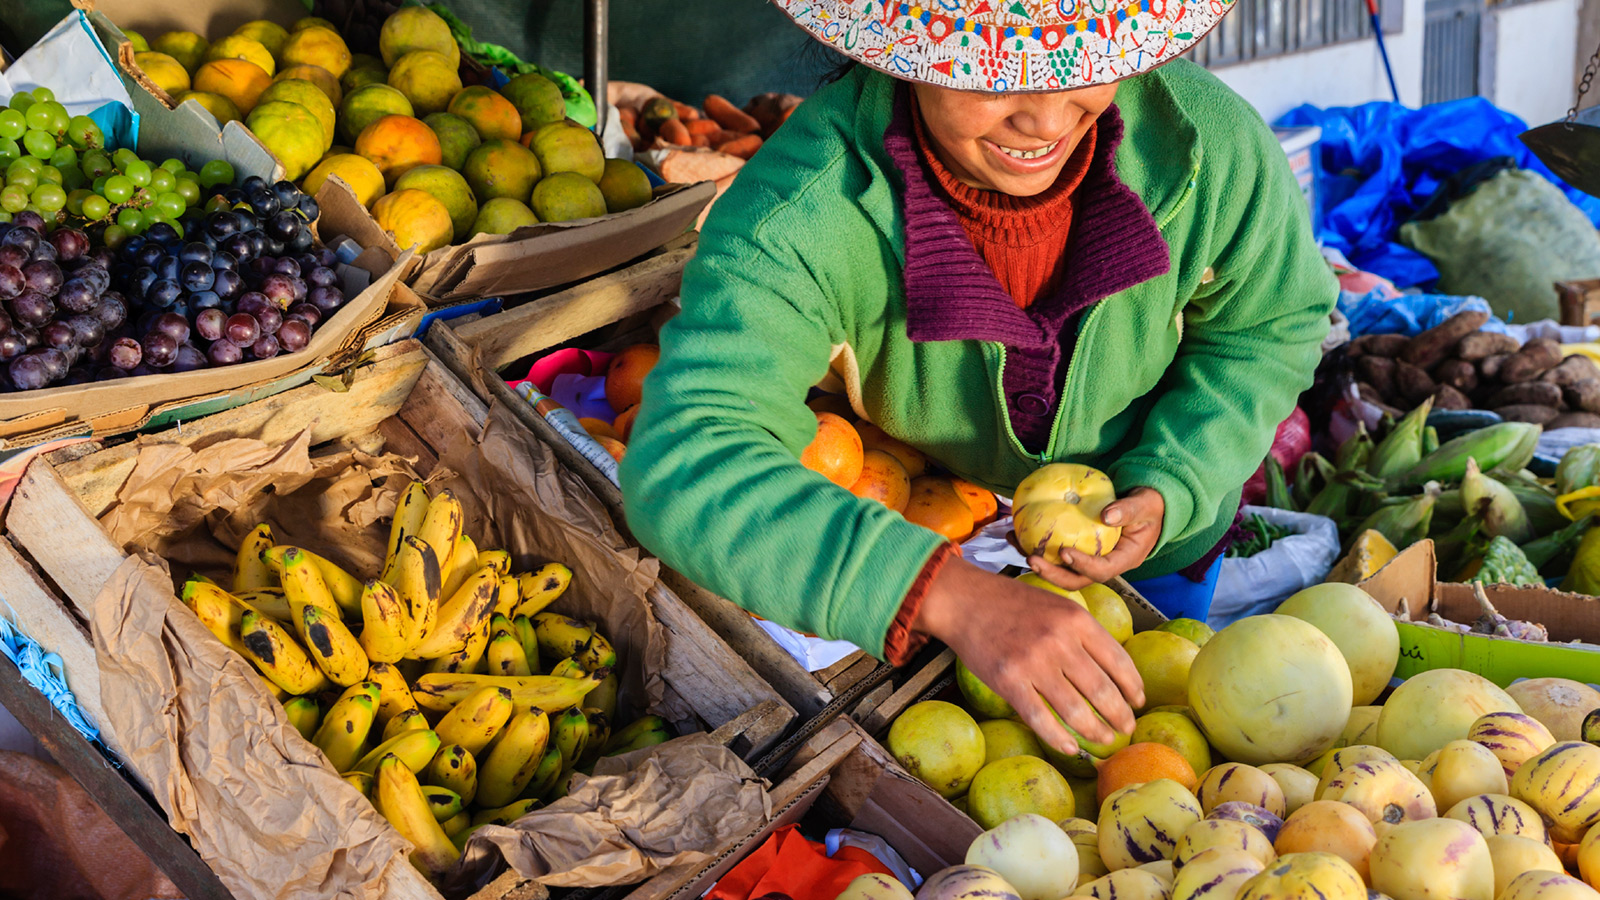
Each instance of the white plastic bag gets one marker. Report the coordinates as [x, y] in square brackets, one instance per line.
[1253, 585]
[71, 61]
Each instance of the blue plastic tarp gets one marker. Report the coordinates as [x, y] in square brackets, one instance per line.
[1409, 314]
[1380, 162]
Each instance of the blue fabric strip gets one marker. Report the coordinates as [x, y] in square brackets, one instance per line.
[47, 675]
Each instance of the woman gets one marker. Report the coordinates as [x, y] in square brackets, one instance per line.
[1010, 256]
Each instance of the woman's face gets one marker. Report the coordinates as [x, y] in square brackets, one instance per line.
[1012, 143]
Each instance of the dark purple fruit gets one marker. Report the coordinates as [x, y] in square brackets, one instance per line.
[265, 347]
[59, 361]
[306, 313]
[164, 293]
[160, 349]
[209, 324]
[125, 353]
[112, 311]
[161, 232]
[32, 308]
[12, 346]
[194, 251]
[197, 276]
[203, 300]
[29, 372]
[270, 319]
[25, 239]
[228, 283]
[76, 296]
[12, 281]
[99, 279]
[322, 276]
[174, 326]
[280, 289]
[29, 219]
[86, 330]
[189, 359]
[70, 243]
[109, 373]
[43, 276]
[224, 353]
[242, 329]
[294, 334]
[14, 256]
[326, 299]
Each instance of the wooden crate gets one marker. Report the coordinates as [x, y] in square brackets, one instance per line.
[608, 313]
[1580, 302]
[55, 557]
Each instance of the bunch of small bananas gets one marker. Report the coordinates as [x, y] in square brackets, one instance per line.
[443, 718]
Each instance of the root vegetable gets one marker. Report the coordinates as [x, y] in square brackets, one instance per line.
[1573, 420]
[1389, 345]
[1447, 397]
[1530, 393]
[1534, 359]
[1536, 415]
[729, 116]
[1489, 366]
[1572, 370]
[1377, 371]
[1583, 395]
[1458, 373]
[673, 131]
[1433, 346]
[743, 147]
[1412, 383]
[1483, 344]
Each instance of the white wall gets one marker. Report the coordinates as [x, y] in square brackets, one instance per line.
[1342, 75]
[1534, 47]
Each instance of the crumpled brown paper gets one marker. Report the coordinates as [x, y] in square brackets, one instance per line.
[638, 815]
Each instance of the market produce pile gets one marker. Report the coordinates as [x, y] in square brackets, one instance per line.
[436, 162]
[112, 265]
[1271, 759]
[443, 689]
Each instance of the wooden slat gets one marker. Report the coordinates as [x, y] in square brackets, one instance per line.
[504, 338]
[376, 394]
[51, 525]
[876, 719]
[860, 665]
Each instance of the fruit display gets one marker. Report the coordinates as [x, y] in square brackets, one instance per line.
[1278, 771]
[442, 687]
[435, 160]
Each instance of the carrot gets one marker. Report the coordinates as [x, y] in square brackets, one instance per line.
[628, 116]
[701, 140]
[744, 146]
[729, 116]
[689, 166]
[707, 127]
[685, 111]
[673, 131]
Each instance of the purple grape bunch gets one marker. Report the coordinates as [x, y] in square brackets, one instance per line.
[56, 304]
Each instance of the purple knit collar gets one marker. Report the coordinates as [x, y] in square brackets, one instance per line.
[952, 295]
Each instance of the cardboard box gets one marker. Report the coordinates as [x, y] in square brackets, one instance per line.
[1412, 577]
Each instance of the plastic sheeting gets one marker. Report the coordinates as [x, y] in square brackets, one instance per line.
[1380, 162]
[1375, 312]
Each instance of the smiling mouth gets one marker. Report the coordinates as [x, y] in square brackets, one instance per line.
[1028, 154]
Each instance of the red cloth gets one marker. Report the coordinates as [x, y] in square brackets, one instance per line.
[789, 864]
[1023, 239]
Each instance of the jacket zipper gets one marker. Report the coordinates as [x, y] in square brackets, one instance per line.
[1083, 331]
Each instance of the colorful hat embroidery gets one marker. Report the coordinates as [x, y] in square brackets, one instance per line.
[1009, 45]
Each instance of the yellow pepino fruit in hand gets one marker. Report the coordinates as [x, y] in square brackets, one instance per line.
[1059, 507]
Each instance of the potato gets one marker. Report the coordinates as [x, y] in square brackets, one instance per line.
[1531, 393]
[1377, 371]
[1537, 415]
[1489, 366]
[1483, 344]
[1573, 420]
[1458, 373]
[1412, 384]
[1447, 397]
[1534, 359]
[1572, 370]
[1433, 346]
[1583, 395]
[1385, 345]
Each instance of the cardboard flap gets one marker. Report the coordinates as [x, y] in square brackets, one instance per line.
[1410, 575]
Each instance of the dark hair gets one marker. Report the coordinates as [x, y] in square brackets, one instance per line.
[834, 65]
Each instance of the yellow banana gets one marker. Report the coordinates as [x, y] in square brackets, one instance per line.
[542, 587]
[197, 576]
[272, 601]
[217, 610]
[505, 656]
[514, 760]
[394, 695]
[442, 526]
[361, 781]
[336, 651]
[401, 801]
[507, 596]
[464, 613]
[417, 581]
[456, 824]
[568, 668]
[463, 562]
[410, 720]
[641, 732]
[454, 767]
[445, 803]
[499, 623]
[599, 654]
[604, 697]
[250, 571]
[599, 736]
[464, 662]
[408, 516]
[473, 722]
[304, 585]
[303, 714]
[507, 814]
[544, 777]
[439, 692]
[570, 732]
[384, 625]
[561, 637]
[415, 748]
[523, 626]
[499, 560]
[344, 588]
[278, 693]
[274, 651]
[346, 726]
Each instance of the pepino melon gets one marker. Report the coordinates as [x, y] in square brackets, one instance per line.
[1433, 708]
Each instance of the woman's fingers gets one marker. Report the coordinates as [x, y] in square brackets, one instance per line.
[1071, 707]
[1059, 576]
[1096, 686]
[1034, 712]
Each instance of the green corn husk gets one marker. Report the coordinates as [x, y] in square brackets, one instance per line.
[1311, 474]
[1502, 512]
[1402, 448]
[1406, 523]
[1579, 468]
[1584, 576]
[1539, 502]
[1332, 501]
[1505, 563]
[1549, 550]
[1430, 440]
[1505, 447]
[1278, 487]
[1466, 541]
[1355, 451]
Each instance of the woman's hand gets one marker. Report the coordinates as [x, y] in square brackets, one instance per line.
[1036, 649]
[1140, 515]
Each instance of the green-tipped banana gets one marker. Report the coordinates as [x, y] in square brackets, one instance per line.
[1402, 449]
[646, 731]
[514, 760]
[507, 814]
[342, 586]
[599, 736]
[410, 720]
[441, 692]
[1501, 511]
[457, 824]
[461, 837]
[415, 748]
[540, 588]
[1506, 447]
[455, 768]
[561, 637]
[599, 654]
[523, 626]
[544, 777]
[604, 697]
[361, 781]
[346, 726]
[401, 801]
[304, 714]
[445, 803]
[570, 732]
[567, 668]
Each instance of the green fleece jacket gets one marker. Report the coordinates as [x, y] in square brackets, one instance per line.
[1176, 384]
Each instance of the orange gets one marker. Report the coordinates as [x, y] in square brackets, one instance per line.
[935, 505]
[983, 504]
[616, 448]
[316, 46]
[415, 218]
[491, 114]
[597, 428]
[398, 144]
[625, 378]
[874, 438]
[835, 453]
[838, 404]
[623, 426]
[239, 80]
[1141, 763]
[883, 479]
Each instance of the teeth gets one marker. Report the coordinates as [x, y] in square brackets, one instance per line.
[1028, 154]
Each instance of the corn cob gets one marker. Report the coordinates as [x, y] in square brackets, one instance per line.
[1355, 451]
[1311, 474]
[1430, 440]
[1579, 468]
[1507, 446]
[1406, 523]
[1278, 487]
[1501, 511]
[1402, 448]
[1538, 500]
[1552, 547]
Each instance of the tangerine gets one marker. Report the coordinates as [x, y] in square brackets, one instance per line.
[216, 104]
[883, 479]
[237, 46]
[240, 80]
[616, 448]
[624, 423]
[457, 137]
[416, 28]
[1141, 763]
[598, 428]
[983, 503]
[500, 168]
[356, 171]
[367, 104]
[836, 452]
[935, 505]
[501, 215]
[625, 377]
[270, 35]
[398, 144]
[318, 76]
[416, 219]
[316, 46]
[163, 71]
[428, 79]
[875, 438]
[290, 131]
[308, 95]
[491, 115]
[448, 187]
[364, 70]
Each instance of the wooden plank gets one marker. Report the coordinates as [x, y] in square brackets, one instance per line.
[375, 395]
[49, 523]
[790, 679]
[440, 409]
[860, 667]
[875, 719]
[126, 805]
[504, 338]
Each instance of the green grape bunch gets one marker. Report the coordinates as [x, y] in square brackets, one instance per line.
[40, 147]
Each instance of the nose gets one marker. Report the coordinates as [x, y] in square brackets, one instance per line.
[1046, 117]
